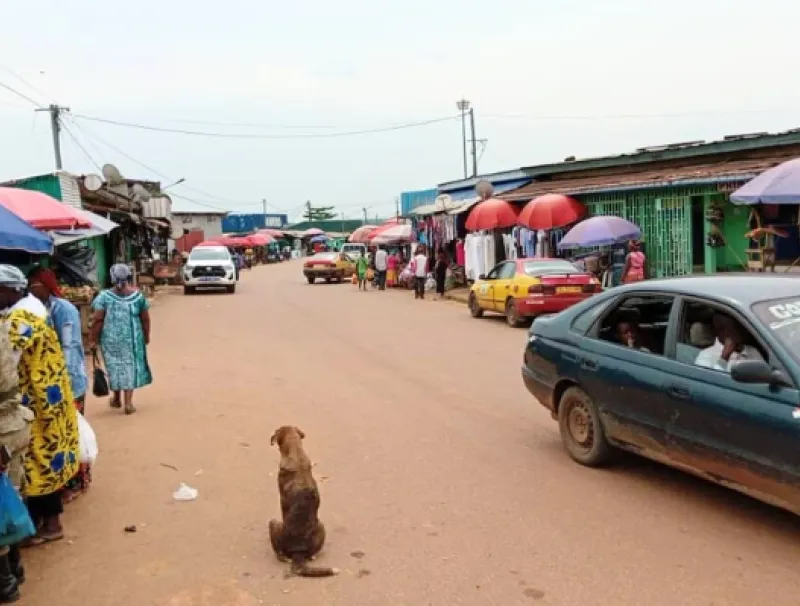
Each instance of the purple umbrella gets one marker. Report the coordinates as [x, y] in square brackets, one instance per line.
[319, 238]
[778, 185]
[600, 231]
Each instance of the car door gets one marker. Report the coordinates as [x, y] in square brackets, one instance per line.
[745, 434]
[501, 288]
[628, 384]
[485, 289]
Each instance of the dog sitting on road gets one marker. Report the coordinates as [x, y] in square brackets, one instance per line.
[300, 536]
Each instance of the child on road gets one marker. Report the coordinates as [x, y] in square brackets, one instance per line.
[362, 265]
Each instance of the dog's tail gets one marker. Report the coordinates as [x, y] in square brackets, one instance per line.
[301, 568]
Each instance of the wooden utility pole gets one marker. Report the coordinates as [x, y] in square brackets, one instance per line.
[55, 126]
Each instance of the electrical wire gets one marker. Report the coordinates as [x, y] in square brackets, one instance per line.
[72, 136]
[22, 95]
[38, 91]
[199, 133]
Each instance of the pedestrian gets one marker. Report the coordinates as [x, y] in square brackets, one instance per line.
[15, 436]
[634, 264]
[381, 266]
[440, 273]
[392, 263]
[362, 266]
[53, 453]
[65, 319]
[121, 325]
[420, 262]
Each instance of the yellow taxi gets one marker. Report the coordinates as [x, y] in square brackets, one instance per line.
[329, 266]
[525, 288]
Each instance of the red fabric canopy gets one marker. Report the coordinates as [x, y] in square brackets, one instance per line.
[260, 239]
[551, 211]
[381, 228]
[274, 233]
[210, 243]
[41, 210]
[491, 214]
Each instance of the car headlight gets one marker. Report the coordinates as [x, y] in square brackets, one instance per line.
[228, 267]
[188, 267]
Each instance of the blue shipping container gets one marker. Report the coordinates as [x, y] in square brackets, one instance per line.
[239, 223]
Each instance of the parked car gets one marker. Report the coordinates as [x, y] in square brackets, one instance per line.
[209, 267]
[328, 266]
[525, 288]
[699, 373]
[354, 249]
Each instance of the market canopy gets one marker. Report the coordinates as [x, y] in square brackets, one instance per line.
[551, 211]
[600, 231]
[273, 233]
[16, 234]
[100, 227]
[492, 213]
[395, 234]
[259, 239]
[778, 185]
[382, 228]
[40, 210]
[362, 234]
[313, 231]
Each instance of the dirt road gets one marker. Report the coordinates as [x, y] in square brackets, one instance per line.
[442, 482]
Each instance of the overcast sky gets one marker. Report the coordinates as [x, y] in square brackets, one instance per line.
[547, 80]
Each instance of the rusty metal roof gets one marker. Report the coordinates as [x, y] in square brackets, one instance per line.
[719, 172]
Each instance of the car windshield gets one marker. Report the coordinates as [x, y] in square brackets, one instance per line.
[782, 319]
[541, 268]
[209, 254]
[325, 256]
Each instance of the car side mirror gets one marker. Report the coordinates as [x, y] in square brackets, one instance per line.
[757, 371]
[482, 277]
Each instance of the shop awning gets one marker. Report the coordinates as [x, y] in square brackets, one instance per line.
[100, 227]
[16, 234]
[41, 210]
[465, 201]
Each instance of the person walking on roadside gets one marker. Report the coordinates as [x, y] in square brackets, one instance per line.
[53, 454]
[634, 264]
[65, 319]
[420, 262]
[440, 273]
[381, 266]
[15, 436]
[121, 325]
[362, 266]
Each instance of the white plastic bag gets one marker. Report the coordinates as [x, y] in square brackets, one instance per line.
[88, 441]
[185, 493]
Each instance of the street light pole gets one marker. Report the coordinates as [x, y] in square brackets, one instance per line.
[463, 106]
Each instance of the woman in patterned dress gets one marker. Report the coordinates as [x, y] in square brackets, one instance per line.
[121, 325]
[52, 459]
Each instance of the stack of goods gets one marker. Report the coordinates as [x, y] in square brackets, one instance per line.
[78, 295]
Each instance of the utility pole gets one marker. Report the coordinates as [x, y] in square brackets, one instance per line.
[264, 203]
[308, 209]
[463, 106]
[474, 142]
[365, 215]
[397, 208]
[55, 126]
[342, 214]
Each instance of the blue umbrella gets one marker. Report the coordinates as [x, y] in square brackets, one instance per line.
[600, 231]
[319, 238]
[17, 234]
[778, 185]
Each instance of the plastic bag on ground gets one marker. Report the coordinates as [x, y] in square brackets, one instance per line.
[88, 441]
[185, 493]
[15, 523]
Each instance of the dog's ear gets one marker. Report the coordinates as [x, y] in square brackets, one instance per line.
[300, 433]
[274, 437]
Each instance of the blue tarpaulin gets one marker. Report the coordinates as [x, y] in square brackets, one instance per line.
[16, 234]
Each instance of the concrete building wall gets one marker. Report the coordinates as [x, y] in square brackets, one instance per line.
[211, 224]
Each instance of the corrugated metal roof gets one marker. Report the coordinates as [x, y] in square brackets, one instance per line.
[720, 172]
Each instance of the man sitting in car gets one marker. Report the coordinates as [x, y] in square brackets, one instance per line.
[627, 327]
[729, 346]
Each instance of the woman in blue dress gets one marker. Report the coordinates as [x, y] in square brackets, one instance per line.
[65, 319]
[121, 326]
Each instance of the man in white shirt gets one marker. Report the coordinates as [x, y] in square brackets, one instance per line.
[381, 265]
[420, 272]
[728, 348]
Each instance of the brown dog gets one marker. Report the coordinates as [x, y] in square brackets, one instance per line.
[301, 535]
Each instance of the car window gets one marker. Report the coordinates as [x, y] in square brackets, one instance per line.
[639, 322]
[208, 254]
[542, 268]
[495, 273]
[705, 330]
[507, 271]
[782, 319]
[584, 321]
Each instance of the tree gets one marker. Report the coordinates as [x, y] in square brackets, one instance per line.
[319, 213]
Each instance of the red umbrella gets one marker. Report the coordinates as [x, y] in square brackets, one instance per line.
[490, 214]
[260, 239]
[551, 211]
[273, 233]
[210, 243]
[41, 210]
[362, 234]
[382, 228]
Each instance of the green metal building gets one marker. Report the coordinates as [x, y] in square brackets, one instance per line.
[677, 194]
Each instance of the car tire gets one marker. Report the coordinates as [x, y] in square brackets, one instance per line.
[474, 309]
[231, 289]
[340, 278]
[512, 315]
[188, 290]
[581, 430]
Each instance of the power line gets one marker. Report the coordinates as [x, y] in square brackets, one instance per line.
[20, 94]
[704, 114]
[78, 144]
[38, 91]
[260, 136]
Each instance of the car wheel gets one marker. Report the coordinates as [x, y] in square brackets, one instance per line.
[340, 278]
[310, 279]
[231, 289]
[582, 432]
[512, 315]
[474, 307]
[328, 280]
[188, 290]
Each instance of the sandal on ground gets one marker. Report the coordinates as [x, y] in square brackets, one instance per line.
[41, 539]
[115, 402]
[129, 410]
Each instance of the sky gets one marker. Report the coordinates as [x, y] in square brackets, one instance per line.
[546, 79]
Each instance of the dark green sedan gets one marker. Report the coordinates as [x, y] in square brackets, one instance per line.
[699, 373]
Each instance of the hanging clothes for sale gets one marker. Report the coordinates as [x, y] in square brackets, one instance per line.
[461, 256]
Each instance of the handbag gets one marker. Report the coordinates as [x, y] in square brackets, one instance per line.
[15, 521]
[100, 387]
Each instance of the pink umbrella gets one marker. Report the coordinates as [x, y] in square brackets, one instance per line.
[382, 228]
[210, 243]
[362, 234]
[273, 233]
[41, 210]
[313, 231]
[260, 239]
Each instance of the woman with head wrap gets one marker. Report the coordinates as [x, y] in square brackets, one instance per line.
[52, 458]
[65, 319]
[121, 326]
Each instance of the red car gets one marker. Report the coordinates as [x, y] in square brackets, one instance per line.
[525, 288]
